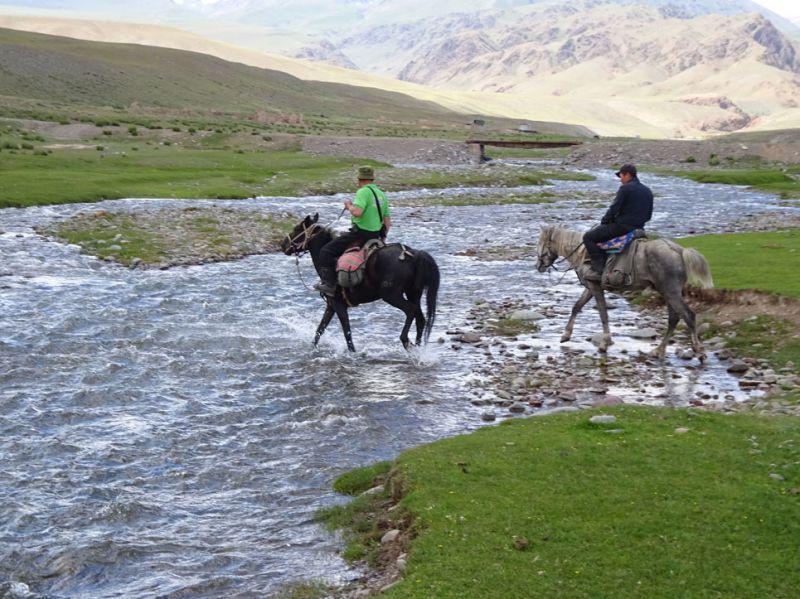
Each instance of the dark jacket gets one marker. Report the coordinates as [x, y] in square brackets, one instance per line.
[632, 207]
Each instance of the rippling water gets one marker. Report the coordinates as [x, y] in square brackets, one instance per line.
[171, 433]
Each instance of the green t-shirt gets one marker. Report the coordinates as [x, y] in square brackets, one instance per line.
[370, 220]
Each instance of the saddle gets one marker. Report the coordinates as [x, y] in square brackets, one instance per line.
[619, 271]
[352, 264]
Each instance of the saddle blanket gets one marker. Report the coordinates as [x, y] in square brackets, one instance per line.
[352, 263]
[617, 244]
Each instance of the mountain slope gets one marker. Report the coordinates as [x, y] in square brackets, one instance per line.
[609, 105]
[92, 73]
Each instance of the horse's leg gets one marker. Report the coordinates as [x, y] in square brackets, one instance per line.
[419, 317]
[411, 310]
[587, 295]
[687, 314]
[323, 324]
[344, 320]
[672, 322]
[600, 300]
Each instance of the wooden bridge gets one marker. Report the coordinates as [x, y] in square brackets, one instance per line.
[480, 145]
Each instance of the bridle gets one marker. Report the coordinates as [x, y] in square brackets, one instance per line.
[305, 236]
[552, 257]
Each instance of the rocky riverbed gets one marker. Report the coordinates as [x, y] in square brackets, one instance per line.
[516, 378]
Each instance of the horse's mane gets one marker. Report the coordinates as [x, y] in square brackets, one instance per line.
[565, 242]
[327, 231]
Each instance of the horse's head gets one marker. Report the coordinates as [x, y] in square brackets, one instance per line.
[297, 240]
[547, 253]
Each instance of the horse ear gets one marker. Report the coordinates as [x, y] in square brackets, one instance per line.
[316, 217]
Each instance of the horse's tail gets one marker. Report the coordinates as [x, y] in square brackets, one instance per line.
[428, 277]
[698, 273]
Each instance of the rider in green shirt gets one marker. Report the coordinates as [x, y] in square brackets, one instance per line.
[370, 219]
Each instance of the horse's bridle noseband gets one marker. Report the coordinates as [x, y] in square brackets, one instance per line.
[307, 234]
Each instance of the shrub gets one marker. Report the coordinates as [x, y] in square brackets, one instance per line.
[690, 159]
[107, 132]
[99, 148]
[133, 130]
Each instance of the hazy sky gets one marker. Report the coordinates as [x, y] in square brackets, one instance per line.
[785, 8]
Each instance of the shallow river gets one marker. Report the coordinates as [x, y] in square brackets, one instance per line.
[172, 433]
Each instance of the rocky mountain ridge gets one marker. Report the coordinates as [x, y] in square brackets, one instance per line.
[670, 68]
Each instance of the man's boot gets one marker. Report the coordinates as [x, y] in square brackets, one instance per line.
[598, 263]
[327, 283]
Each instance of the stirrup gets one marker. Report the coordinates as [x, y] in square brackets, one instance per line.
[326, 288]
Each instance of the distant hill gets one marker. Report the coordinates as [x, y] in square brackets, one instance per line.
[70, 71]
[617, 70]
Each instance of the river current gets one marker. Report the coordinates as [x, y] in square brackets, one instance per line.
[172, 433]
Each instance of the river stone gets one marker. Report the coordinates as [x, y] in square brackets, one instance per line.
[567, 395]
[645, 333]
[775, 476]
[603, 419]
[390, 536]
[516, 408]
[470, 338]
[608, 400]
[585, 362]
[488, 417]
[597, 339]
[738, 366]
[526, 315]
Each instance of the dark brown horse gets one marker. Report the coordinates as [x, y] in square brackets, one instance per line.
[395, 274]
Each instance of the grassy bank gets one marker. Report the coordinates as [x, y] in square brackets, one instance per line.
[763, 326]
[203, 165]
[781, 182]
[87, 175]
[767, 261]
[660, 503]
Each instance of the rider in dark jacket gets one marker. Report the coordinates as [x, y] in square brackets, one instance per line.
[631, 209]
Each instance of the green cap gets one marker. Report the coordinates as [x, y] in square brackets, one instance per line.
[366, 172]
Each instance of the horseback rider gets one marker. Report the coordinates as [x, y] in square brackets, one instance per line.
[631, 209]
[370, 220]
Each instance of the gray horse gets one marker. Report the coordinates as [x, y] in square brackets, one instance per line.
[659, 263]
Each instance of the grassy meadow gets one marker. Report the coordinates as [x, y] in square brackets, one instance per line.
[783, 182]
[659, 503]
[766, 261]
[761, 261]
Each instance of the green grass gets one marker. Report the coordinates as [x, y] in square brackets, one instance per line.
[161, 238]
[767, 261]
[98, 237]
[768, 180]
[558, 507]
[492, 199]
[200, 168]
[163, 172]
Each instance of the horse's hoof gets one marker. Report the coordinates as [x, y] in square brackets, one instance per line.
[565, 338]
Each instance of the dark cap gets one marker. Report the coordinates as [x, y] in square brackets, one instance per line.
[626, 168]
[366, 173]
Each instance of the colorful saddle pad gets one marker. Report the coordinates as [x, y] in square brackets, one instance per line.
[617, 244]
